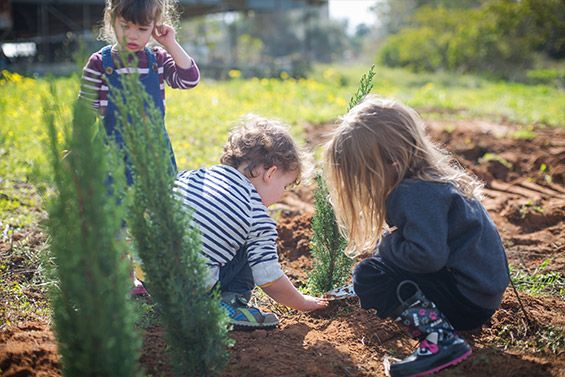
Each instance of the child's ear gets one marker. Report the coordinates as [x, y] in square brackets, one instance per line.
[270, 173]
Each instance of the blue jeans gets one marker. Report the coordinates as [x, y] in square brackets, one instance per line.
[376, 281]
[236, 276]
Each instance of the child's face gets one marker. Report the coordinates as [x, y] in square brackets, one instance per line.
[131, 36]
[271, 183]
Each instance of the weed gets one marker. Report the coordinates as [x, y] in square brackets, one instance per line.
[24, 280]
[526, 133]
[19, 204]
[540, 281]
[545, 172]
[147, 313]
[198, 135]
[495, 157]
[544, 339]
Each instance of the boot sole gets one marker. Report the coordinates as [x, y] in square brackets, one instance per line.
[446, 365]
[248, 327]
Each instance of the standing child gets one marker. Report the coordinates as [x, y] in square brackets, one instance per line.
[228, 203]
[129, 26]
[441, 265]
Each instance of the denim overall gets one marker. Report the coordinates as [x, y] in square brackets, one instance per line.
[152, 87]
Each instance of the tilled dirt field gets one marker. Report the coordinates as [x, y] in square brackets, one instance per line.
[524, 194]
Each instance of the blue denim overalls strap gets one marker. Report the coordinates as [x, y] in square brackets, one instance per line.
[152, 87]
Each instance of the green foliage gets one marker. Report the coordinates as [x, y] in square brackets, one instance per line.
[540, 281]
[94, 320]
[195, 324]
[547, 76]
[331, 267]
[499, 37]
[365, 87]
[18, 204]
[495, 157]
[24, 277]
[544, 338]
[198, 132]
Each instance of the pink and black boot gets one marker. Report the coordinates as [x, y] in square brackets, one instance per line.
[439, 348]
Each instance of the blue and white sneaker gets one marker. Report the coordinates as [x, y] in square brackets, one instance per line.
[245, 317]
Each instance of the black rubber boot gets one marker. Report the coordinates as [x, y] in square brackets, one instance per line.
[439, 348]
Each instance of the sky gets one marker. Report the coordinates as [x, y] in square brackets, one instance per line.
[356, 11]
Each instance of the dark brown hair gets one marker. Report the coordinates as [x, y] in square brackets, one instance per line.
[140, 12]
[263, 142]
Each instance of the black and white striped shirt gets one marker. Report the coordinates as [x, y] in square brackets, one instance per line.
[229, 212]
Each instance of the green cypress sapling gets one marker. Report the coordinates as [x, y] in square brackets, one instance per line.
[195, 325]
[331, 267]
[94, 319]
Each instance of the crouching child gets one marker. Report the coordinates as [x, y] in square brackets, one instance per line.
[228, 203]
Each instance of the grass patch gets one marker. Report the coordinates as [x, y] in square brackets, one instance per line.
[524, 134]
[24, 278]
[539, 282]
[543, 339]
[461, 96]
[198, 120]
[147, 312]
[20, 205]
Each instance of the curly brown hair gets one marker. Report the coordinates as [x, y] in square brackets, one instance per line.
[140, 12]
[257, 142]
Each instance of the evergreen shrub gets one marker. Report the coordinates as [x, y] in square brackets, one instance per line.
[93, 317]
[195, 325]
[331, 267]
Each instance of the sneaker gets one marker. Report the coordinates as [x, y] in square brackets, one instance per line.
[431, 356]
[245, 317]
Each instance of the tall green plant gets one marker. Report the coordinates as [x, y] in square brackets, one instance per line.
[94, 320]
[331, 266]
[195, 324]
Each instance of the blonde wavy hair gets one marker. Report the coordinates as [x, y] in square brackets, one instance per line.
[257, 141]
[379, 143]
[140, 12]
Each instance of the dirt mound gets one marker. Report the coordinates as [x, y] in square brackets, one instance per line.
[294, 236]
[28, 350]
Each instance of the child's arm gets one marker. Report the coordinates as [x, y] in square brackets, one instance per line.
[92, 82]
[283, 292]
[166, 36]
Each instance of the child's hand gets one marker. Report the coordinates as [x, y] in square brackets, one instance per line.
[165, 35]
[312, 303]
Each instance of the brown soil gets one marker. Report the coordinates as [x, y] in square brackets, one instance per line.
[525, 195]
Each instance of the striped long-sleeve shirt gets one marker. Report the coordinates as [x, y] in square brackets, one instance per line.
[229, 213]
[94, 87]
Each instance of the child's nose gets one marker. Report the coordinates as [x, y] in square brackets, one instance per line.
[132, 34]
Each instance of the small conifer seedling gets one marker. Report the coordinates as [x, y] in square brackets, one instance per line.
[166, 241]
[94, 319]
[331, 266]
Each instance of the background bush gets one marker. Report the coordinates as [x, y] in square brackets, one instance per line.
[502, 37]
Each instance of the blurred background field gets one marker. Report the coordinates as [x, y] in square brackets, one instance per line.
[299, 61]
[198, 120]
